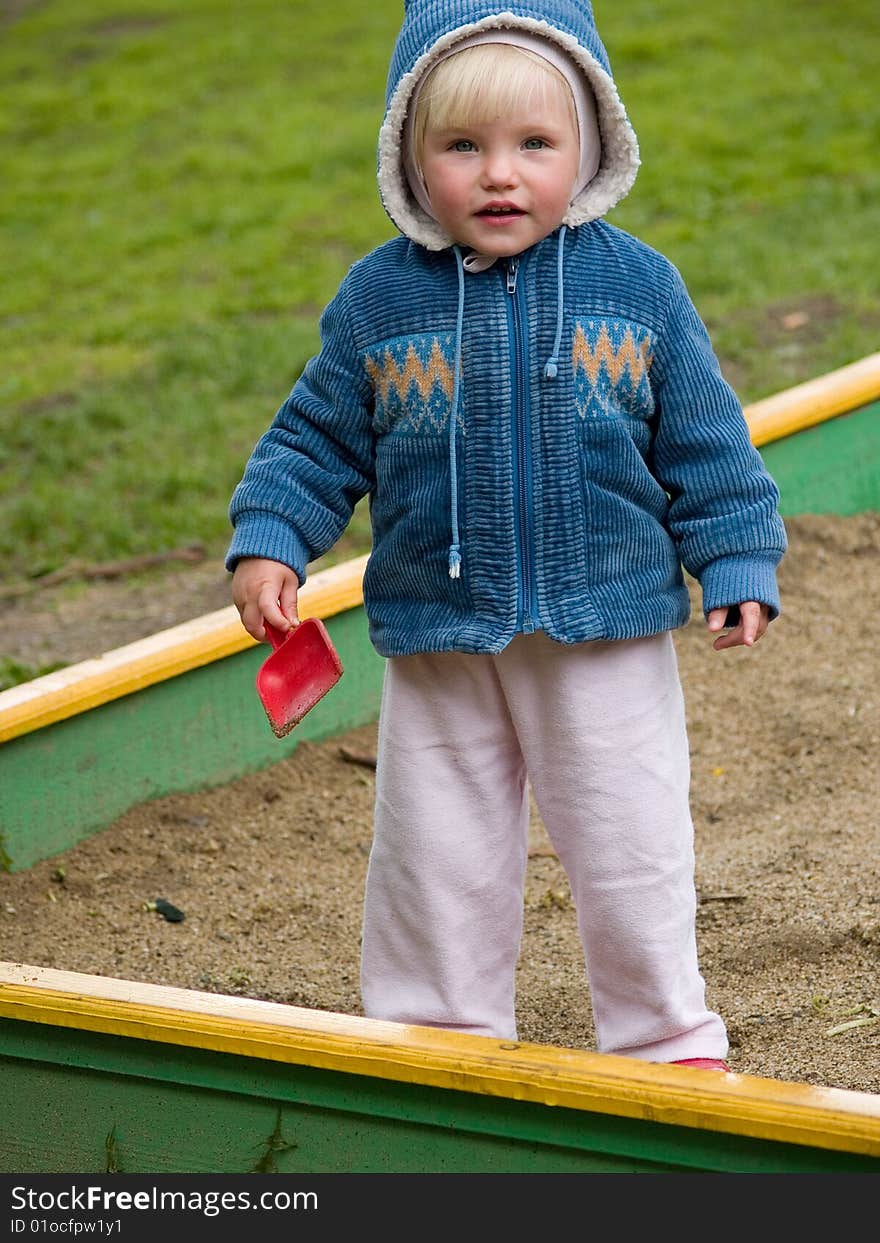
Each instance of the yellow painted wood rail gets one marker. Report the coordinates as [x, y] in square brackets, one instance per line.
[805, 405]
[826, 1118]
[80, 687]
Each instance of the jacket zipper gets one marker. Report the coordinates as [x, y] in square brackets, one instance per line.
[522, 448]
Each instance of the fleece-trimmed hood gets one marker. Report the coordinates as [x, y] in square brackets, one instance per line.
[430, 28]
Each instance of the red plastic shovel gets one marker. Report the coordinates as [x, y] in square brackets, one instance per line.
[301, 670]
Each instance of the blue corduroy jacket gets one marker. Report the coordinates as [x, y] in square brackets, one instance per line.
[572, 495]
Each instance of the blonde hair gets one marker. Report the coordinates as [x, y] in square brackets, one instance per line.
[481, 84]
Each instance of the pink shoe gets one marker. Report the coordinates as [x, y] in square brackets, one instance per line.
[703, 1063]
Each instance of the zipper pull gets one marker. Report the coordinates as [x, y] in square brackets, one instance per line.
[512, 271]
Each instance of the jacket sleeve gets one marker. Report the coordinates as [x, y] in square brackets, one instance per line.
[315, 462]
[723, 512]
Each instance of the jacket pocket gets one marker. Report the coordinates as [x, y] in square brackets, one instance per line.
[615, 404]
[412, 523]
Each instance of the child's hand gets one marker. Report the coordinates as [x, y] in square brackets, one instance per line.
[747, 629]
[264, 590]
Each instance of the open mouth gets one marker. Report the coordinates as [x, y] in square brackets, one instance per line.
[500, 213]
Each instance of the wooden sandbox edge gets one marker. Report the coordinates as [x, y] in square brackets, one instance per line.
[791, 1113]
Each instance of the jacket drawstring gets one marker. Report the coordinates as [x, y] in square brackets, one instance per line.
[455, 546]
[551, 370]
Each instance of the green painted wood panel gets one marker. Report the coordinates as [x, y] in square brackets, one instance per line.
[832, 468]
[175, 1110]
[200, 729]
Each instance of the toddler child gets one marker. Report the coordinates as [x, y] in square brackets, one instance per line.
[534, 408]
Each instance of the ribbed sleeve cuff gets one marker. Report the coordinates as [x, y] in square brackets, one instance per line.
[265, 535]
[733, 580]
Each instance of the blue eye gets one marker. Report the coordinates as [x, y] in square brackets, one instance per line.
[463, 144]
[534, 144]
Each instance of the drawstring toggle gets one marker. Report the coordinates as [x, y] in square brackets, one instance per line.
[551, 368]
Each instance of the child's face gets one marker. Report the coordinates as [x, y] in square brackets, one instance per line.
[502, 185]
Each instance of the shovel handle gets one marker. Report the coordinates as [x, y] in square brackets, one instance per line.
[276, 637]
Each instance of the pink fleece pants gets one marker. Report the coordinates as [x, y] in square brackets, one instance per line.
[598, 730]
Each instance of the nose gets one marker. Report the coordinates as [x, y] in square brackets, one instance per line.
[499, 170]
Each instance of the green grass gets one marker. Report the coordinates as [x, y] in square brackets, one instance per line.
[13, 672]
[185, 184]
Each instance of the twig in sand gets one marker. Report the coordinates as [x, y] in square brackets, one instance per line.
[845, 1027]
[871, 1012]
[364, 758]
[104, 569]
